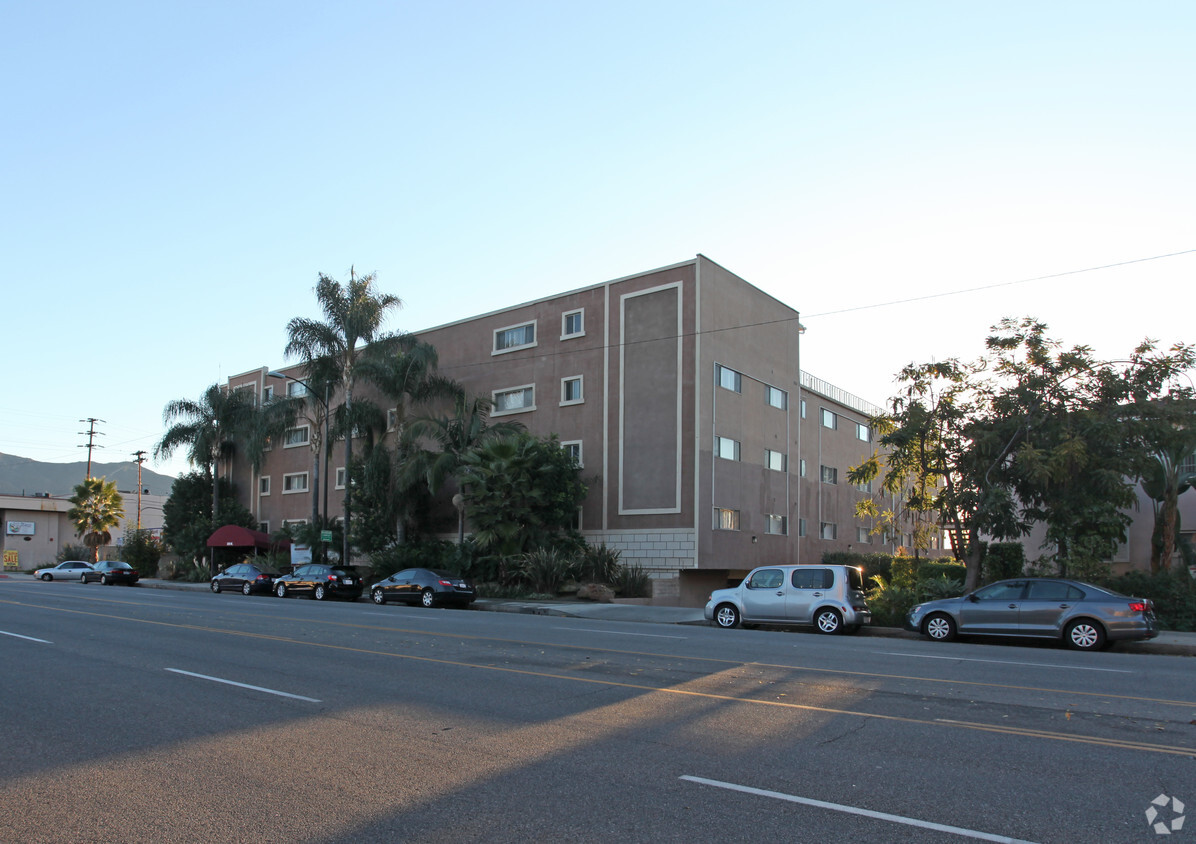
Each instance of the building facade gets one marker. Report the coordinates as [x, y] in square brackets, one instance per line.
[705, 448]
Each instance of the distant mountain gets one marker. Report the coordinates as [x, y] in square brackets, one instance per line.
[21, 475]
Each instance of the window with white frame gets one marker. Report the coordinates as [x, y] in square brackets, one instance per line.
[829, 419]
[294, 483]
[776, 398]
[1187, 466]
[295, 389]
[776, 460]
[725, 519]
[571, 392]
[296, 436]
[573, 447]
[828, 474]
[802, 467]
[514, 337]
[264, 527]
[828, 530]
[573, 324]
[778, 525]
[729, 379]
[726, 448]
[863, 432]
[864, 486]
[340, 477]
[267, 393]
[803, 408]
[263, 485]
[801, 527]
[514, 400]
[863, 536]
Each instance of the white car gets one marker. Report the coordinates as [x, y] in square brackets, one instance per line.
[70, 570]
[829, 597]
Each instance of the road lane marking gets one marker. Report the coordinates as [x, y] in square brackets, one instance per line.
[242, 685]
[855, 810]
[620, 632]
[29, 638]
[1006, 662]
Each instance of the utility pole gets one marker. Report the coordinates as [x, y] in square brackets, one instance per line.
[90, 433]
[140, 456]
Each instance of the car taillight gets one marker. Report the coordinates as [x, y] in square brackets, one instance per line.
[1138, 606]
[445, 582]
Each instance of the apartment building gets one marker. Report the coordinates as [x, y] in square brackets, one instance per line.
[706, 450]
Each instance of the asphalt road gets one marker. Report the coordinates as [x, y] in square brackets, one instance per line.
[163, 716]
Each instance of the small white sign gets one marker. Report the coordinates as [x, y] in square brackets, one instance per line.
[22, 529]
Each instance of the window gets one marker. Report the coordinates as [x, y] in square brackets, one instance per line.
[392, 419]
[574, 449]
[864, 486]
[828, 530]
[296, 390]
[828, 474]
[571, 390]
[829, 419]
[778, 525]
[263, 485]
[340, 477]
[862, 535]
[267, 393]
[803, 408]
[514, 400]
[767, 579]
[863, 432]
[776, 460]
[264, 527]
[294, 483]
[296, 436]
[802, 467]
[728, 379]
[514, 337]
[573, 324]
[1188, 465]
[776, 398]
[726, 519]
[801, 527]
[726, 448]
[812, 578]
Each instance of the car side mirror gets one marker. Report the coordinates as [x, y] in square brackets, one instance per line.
[973, 598]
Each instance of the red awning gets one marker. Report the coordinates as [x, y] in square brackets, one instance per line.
[234, 536]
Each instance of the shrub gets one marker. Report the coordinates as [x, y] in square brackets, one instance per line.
[73, 552]
[890, 603]
[1173, 594]
[142, 550]
[599, 564]
[545, 569]
[633, 582]
[432, 554]
[1003, 560]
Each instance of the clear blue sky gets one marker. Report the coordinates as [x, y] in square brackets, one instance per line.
[175, 175]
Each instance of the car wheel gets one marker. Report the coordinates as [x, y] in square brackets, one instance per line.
[216, 586]
[103, 580]
[939, 627]
[319, 593]
[726, 616]
[246, 589]
[1084, 635]
[829, 621]
[427, 598]
[47, 576]
[378, 597]
[82, 578]
[281, 590]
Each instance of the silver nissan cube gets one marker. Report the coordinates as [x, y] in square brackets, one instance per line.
[831, 598]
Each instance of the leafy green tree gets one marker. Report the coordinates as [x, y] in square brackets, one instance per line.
[142, 550]
[354, 314]
[97, 508]
[187, 518]
[454, 437]
[522, 493]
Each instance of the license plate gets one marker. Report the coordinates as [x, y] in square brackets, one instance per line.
[348, 581]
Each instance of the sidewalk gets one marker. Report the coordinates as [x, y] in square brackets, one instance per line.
[1167, 642]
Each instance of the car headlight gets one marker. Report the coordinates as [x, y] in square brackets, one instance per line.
[917, 609]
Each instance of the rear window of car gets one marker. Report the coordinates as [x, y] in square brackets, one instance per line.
[1051, 590]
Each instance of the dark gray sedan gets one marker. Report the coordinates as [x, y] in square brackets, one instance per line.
[1080, 615]
[427, 587]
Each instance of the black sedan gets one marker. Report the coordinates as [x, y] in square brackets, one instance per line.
[109, 572]
[424, 586]
[245, 578]
[320, 581]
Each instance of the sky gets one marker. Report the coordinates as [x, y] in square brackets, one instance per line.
[175, 176]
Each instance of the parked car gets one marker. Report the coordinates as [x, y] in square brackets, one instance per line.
[111, 571]
[246, 577]
[1080, 615]
[69, 570]
[829, 597]
[320, 581]
[428, 587]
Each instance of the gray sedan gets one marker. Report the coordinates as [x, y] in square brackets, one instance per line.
[1081, 615]
[70, 570]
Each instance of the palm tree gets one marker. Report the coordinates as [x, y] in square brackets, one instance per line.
[98, 508]
[354, 314]
[455, 436]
